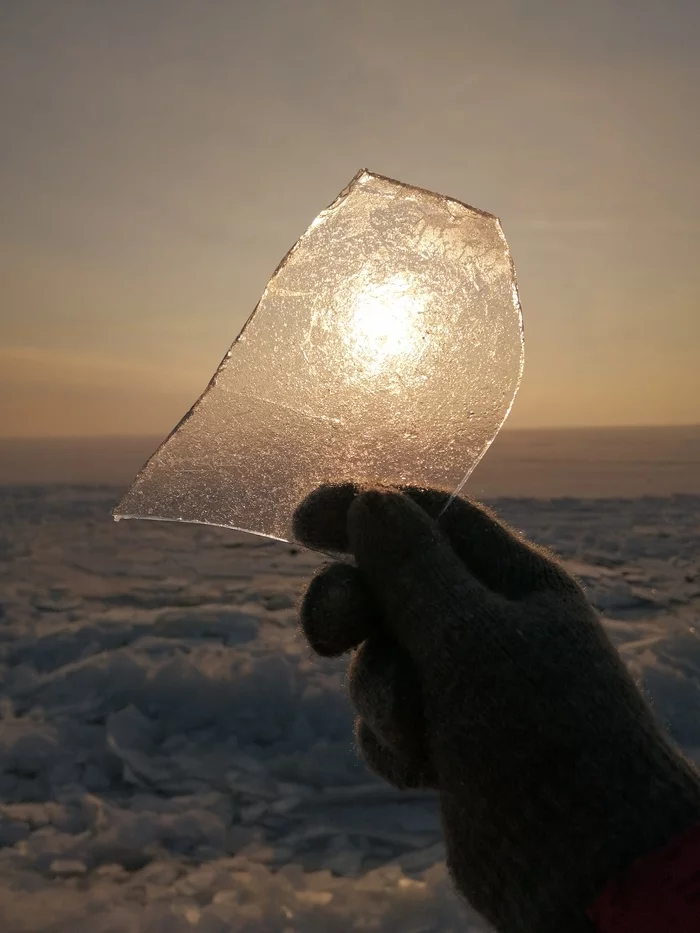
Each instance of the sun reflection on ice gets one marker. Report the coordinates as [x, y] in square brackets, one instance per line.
[386, 323]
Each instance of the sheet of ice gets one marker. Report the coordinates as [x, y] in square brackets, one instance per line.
[173, 758]
[387, 347]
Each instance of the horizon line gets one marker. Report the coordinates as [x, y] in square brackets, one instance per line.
[504, 429]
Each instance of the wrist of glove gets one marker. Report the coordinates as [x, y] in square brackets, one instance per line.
[480, 670]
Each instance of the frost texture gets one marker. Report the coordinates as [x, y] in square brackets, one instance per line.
[387, 347]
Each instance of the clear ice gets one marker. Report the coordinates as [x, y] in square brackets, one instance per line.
[387, 348]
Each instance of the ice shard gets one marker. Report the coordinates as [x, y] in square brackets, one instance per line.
[386, 348]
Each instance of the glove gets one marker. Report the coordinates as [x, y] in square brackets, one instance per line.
[480, 670]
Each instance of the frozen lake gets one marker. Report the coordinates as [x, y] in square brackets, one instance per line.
[172, 758]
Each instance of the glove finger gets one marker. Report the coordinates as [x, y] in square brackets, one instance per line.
[494, 553]
[336, 611]
[321, 520]
[403, 772]
[428, 598]
[385, 689]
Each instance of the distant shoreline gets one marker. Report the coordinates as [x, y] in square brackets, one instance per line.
[539, 462]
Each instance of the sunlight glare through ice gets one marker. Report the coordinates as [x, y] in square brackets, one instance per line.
[386, 326]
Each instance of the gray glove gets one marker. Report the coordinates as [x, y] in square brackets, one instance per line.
[482, 671]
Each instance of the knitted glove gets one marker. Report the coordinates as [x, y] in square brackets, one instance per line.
[481, 671]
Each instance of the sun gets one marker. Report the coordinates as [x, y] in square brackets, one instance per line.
[386, 323]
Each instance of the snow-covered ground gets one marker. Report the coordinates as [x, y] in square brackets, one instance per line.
[172, 758]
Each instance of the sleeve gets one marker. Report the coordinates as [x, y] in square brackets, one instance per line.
[657, 894]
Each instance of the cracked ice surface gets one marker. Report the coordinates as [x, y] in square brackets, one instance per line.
[173, 758]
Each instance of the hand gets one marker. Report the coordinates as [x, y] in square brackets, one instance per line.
[481, 670]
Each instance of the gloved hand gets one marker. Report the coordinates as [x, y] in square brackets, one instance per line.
[482, 671]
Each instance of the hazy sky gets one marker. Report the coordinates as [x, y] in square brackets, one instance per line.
[159, 157]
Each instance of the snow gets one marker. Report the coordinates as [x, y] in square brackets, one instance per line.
[173, 758]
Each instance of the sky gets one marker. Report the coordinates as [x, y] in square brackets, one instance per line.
[159, 157]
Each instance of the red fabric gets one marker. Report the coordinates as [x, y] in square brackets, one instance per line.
[658, 894]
